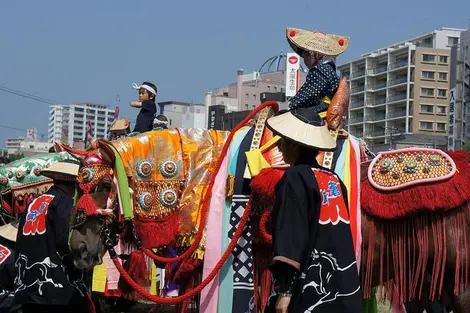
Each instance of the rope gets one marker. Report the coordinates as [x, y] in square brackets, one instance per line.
[208, 193]
[262, 227]
[145, 294]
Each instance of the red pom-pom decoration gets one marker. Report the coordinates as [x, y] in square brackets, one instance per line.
[341, 42]
[292, 33]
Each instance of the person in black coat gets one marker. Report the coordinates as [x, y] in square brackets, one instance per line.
[46, 279]
[147, 106]
[7, 266]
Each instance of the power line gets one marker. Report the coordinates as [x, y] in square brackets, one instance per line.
[27, 95]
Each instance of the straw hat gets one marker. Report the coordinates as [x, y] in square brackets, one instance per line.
[121, 124]
[325, 44]
[66, 170]
[9, 231]
[303, 126]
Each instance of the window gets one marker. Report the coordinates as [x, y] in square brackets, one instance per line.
[427, 108]
[443, 76]
[427, 75]
[254, 97]
[440, 127]
[275, 88]
[441, 110]
[247, 96]
[442, 93]
[427, 92]
[443, 59]
[425, 125]
[429, 58]
[452, 41]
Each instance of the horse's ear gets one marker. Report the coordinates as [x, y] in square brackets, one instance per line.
[78, 154]
[107, 152]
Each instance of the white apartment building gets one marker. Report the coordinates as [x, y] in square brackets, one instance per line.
[28, 145]
[399, 95]
[68, 123]
[183, 114]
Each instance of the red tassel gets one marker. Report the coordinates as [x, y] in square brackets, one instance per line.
[265, 182]
[138, 268]
[157, 233]
[87, 204]
[185, 270]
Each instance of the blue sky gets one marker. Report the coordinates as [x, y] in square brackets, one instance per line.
[77, 51]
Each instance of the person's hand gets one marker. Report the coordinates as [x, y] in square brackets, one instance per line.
[282, 304]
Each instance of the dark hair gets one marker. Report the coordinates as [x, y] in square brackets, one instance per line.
[308, 153]
[162, 118]
[154, 88]
[52, 149]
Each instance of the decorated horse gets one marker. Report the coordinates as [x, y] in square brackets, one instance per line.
[20, 181]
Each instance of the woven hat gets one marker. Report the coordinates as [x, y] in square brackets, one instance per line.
[325, 44]
[121, 124]
[66, 170]
[9, 231]
[304, 127]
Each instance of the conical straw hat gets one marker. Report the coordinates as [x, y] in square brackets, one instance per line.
[325, 44]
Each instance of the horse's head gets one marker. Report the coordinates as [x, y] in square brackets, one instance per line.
[94, 211]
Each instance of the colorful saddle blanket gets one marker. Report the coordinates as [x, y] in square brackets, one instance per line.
[399, 169]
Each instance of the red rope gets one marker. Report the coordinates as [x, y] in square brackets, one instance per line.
[262, 227]
[208, 193]
[145, 294]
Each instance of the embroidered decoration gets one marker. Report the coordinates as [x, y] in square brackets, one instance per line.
[10, 174]
[3, 180]
[37, 171]
[169, 168]
[434, 160]
[36, 216]
[144, 168]
[4, 253]
[333, 207]
[40, 279]
[168, 198]
[410, 167]
[87, 174]
[145, 201]
[418, 165]
[386, 166]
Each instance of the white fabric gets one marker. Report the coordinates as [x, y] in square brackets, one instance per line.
[146, 87]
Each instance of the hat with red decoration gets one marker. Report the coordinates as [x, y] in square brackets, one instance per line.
[315, 41]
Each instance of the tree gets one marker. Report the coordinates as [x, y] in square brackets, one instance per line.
[14, 157]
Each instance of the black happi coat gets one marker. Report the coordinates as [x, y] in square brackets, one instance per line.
[45, 272]
[144, 122]
[7, 275]
[307, 232]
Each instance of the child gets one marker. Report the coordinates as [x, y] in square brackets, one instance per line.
[160, 122]
[148, 108]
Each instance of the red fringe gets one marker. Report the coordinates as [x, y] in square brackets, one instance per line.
[138, 268]
[86, 204]
[262, 282]
[156, 233]
[264, 184]
[437, 197]
[405, 250]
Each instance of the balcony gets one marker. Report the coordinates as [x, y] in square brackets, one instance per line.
[377, 101]
[373, 118]
[377, 70]
[370, 134]
[355, 105]
[357, 89]
[397, 81]
[399, 64]
[397, 98]
[396, 114]
[356, 119]
[358, 73]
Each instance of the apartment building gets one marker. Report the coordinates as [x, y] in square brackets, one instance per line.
[400, 94]
[183, 114]
[459, 102]
[68, 123]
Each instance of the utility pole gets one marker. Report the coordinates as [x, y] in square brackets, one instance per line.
[392, 130]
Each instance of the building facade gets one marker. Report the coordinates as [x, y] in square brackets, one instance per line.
[399, 95]
[183, 114]
[459, 102]
[249, 89]
[68, 123]
[27, 146]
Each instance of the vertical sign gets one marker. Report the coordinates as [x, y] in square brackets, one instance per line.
[292, 74]
[451, 119]
[216, 116]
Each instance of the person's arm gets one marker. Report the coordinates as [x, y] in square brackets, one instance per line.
[291, 236]
[321, 81]
[136, 104]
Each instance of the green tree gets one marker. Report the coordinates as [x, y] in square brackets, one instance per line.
[14, 157]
